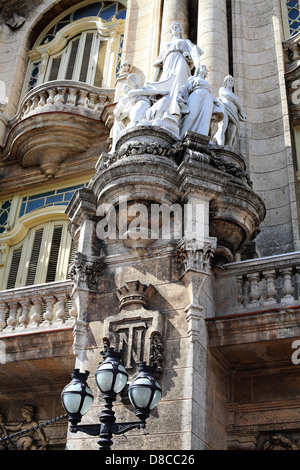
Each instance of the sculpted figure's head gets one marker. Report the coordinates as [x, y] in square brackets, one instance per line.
[133, 81]
[229, 81]
[201, 71]
[27, 411]
[176, 29]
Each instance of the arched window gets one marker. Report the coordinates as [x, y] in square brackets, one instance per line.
[84, 44]
[291, 17]
[35, 244]
[41, 257]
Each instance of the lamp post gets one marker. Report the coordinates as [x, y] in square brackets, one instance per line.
[111, 378]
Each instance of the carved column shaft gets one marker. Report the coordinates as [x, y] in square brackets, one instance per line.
[174, 10]
[213, 39]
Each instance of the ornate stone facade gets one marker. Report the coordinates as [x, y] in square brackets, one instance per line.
[149, 203]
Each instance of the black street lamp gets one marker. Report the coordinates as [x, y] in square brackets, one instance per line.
[111, 378]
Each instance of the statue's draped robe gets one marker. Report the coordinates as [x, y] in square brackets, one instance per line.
[175, 63]
[197, 95]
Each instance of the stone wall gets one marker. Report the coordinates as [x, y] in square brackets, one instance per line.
[260, 84]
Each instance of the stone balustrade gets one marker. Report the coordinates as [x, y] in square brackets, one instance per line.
[67, 96]
[291, 49]
[42, 307]
[259, 284]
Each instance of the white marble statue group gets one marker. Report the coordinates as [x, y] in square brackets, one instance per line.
[177, 100]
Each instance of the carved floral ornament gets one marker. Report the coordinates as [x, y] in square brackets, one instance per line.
[195, 255]
[85, 272]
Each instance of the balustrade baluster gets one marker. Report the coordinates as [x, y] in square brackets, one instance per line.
[52, 94]
[3, 310]
[270, 277]
[288, 289]
[240, 293]
[12, 319]
[73, 315]
[35, 101]
[61, 93]
[43, 97]
[102, 100]
[48, 315]
[24, 318]
[92, 100]
[37, 312]
[61, 312]
[255, 290]
[71, 97]
[27, 107]
[82, 98]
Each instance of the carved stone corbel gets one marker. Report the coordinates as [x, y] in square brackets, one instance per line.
[194, 259]
[86, 271]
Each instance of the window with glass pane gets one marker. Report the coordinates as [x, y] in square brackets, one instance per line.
[293, 16]
[77, 60]
[87, 57]
[42, 257]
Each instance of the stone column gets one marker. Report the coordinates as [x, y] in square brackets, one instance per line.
[174, 10]
[213, 39]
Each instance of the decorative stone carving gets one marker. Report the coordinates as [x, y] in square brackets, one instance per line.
[197, 104]
[136, 331]
[85, 272]
[16, 21]
[3, 253]
[228, 129]
[278, 441]
[194, 258]
[156, 352]
[177, 58]
[6, 445]
[196, 255]
[139, 148]
[231, 169]
[136, 294]
[25, 442]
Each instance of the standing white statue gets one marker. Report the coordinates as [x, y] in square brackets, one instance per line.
[228, 130]
[177, 58]
[198, 104]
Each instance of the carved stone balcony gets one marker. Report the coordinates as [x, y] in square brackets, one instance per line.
[36, 339]
[36, 308]
[56, 121]
[258, 314]
[259, 285]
